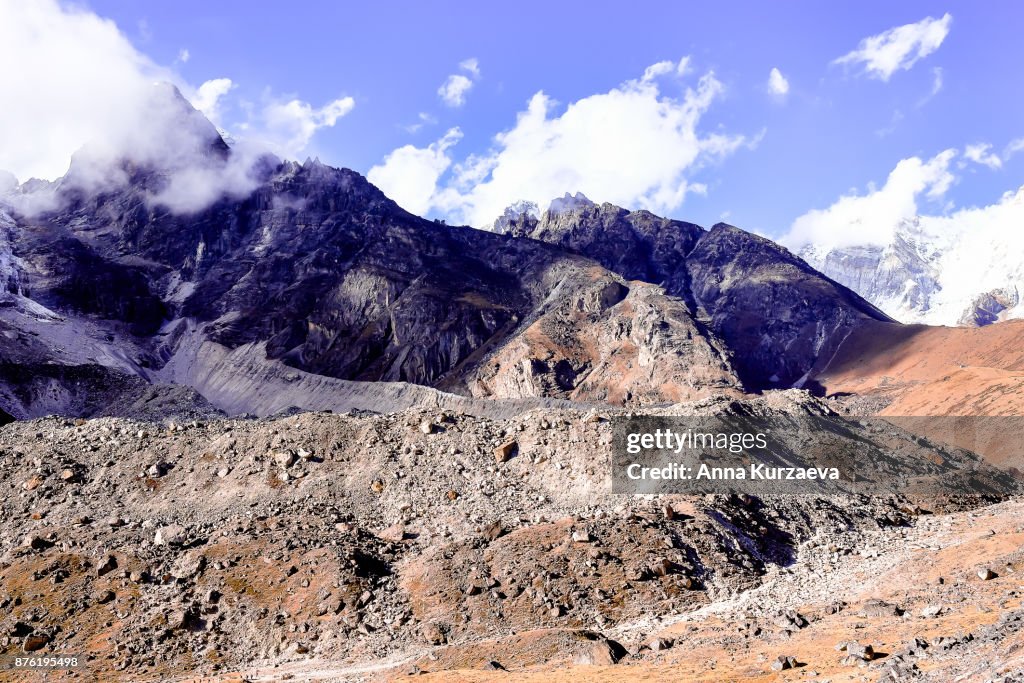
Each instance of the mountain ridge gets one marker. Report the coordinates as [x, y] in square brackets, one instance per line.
[314, 268]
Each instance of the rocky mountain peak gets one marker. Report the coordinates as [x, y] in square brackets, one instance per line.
[569, 202]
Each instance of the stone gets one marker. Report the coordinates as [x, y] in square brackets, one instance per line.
[986, 574]
[783, 662]
[36, 542]
[494, 531]
[188, 565]
[581, 537]
[179, 617]
[393, 534]
[106, 566]
[860, 651]
[659, 644]
[35, 641]
[433, 634]
[602, 652]
[173, 534]
[427, 427]
[505, 451]
[284, 459]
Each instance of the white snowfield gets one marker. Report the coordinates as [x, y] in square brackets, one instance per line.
[962, 269]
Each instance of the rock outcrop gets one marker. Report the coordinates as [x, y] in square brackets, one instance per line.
[775, 313]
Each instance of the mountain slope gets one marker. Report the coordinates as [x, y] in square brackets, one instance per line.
[775, 313]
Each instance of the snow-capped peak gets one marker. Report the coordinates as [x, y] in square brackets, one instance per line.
[569, 202]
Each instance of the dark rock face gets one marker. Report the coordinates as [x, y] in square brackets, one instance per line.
[636, 244]
[773, 311]
[5, 418]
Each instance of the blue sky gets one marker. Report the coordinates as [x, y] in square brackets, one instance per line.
[839, 128]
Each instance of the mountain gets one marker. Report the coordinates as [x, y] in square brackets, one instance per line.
[773, 311]
[308, 277]
[961, 270]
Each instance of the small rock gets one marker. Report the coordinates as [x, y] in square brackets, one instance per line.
[284, 459]
[783, 662]
[36, 542]
[108, 565]
[434, 634]
[986, 574]
[173, 534]
[188, 565]
[860, 651]
[659, 644]
[179, 618]
[602, 653]
[503, 452]
[494, 531]
[393, 534]
[581, 537]
[35, 641]
[427, 427]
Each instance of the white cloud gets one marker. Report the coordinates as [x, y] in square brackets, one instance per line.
[981, 153]
[423, 119]
[1013, 148]
[471, 65]
[871, 218]
[454, 90]
[936, 81]
[666, 67]
[66, 75]
[289, 126]
[777, 83]
[632, 146]
[410, 174]
[207, 97]
[184, 55]
[73, 84]
[890, 128]
[898, 48]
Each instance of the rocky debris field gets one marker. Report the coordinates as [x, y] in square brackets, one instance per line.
[336, 547]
